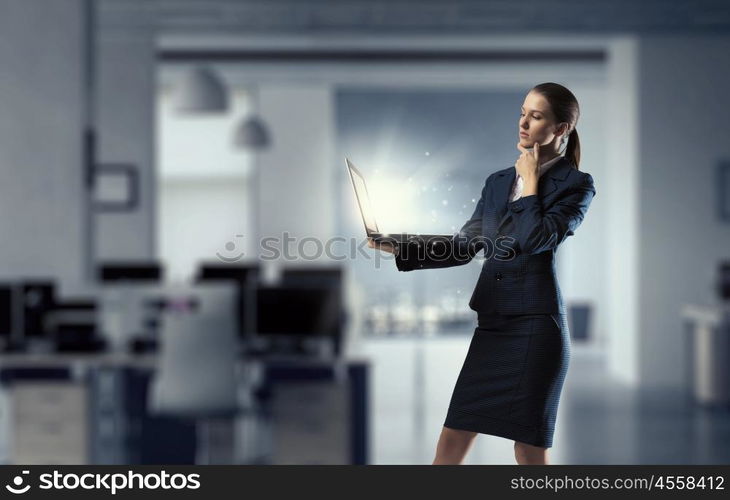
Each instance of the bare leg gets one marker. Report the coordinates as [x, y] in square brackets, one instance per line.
[452, 446]
[526, 454]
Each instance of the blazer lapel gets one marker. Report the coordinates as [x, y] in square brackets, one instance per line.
[546, 186]
[551, 180]
[502, 191]
[503, 188]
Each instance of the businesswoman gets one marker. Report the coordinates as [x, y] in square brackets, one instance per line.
[512, 377]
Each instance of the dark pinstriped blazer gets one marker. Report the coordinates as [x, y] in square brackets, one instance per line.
[519, 240]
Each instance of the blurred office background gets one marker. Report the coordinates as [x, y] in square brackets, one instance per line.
[146, 146]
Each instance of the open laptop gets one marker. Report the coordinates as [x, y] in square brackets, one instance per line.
[368, 217]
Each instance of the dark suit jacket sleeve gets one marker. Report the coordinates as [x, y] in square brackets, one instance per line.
[458, 250]
[536, 231]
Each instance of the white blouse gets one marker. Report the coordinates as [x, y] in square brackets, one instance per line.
[518, 185]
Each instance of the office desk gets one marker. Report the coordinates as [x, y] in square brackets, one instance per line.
[91, 408]
[708, 352]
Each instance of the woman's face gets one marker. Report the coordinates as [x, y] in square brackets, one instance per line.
[537, 123]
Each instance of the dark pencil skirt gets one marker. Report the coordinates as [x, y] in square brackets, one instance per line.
[512, 377]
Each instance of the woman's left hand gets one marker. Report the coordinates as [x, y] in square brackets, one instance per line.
[526, 165]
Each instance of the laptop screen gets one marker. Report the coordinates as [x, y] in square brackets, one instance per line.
[363, 199]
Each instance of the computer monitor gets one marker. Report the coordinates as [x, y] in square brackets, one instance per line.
[38, 299]
[6, 310]
[74, 326]
[313, 275]
[325, 276]
[24, 307]
[10, 316]
[239, 272]
[298, 311]
[723, 281]
[130, 271]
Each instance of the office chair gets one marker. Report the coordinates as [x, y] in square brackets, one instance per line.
[196, 375]
[245, 276]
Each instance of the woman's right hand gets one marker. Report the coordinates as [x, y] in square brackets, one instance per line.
[384, 246]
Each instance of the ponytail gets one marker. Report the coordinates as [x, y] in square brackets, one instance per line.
[572, 151]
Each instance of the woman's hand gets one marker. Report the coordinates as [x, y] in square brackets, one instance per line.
[384, 246]
[526, 165]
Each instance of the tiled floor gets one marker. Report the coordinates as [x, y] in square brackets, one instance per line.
[599, 421]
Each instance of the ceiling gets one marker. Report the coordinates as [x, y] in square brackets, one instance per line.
[420, 16]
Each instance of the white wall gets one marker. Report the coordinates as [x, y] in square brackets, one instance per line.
[297, 175]
[42, 198]
[620, 193]
[126, 90]
[204, 185]
[683, 134]
[198, 218]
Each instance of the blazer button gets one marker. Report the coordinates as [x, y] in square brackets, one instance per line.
[498, 276]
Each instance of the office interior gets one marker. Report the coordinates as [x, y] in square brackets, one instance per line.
[148, 149]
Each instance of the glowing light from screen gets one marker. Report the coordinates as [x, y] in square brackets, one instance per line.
[394, 203]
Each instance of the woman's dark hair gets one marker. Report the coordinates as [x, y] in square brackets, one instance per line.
[565, 108]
